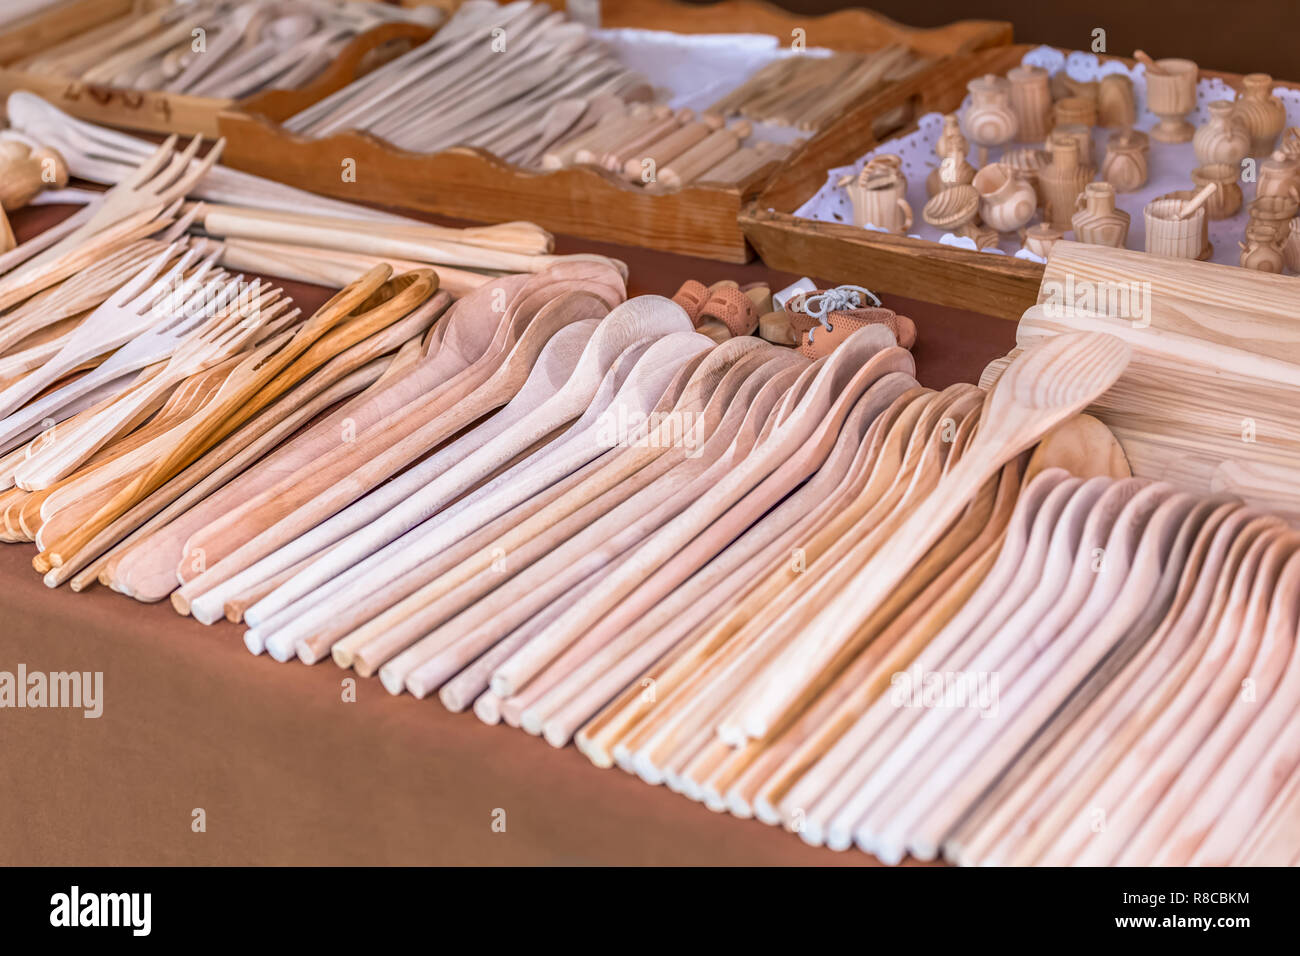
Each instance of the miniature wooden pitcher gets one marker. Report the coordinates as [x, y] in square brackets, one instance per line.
[1223, 138]
[1062, 181]
[1098, 221]
[879, 201]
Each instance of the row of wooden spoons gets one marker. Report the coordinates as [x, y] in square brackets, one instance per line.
[510, 79]
[218, 48]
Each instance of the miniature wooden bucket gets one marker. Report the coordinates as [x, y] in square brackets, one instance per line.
[1169, 236]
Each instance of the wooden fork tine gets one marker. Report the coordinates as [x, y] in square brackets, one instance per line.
[182, 290]
[229, 310]
[150, 167]
[175, 168]
[179, 189]
[142, 278]
[272, 329]
[234, 337]
[181, 225]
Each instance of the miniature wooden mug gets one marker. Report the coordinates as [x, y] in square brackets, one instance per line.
[880, 202]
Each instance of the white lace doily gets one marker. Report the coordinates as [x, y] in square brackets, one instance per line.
[1170, 165]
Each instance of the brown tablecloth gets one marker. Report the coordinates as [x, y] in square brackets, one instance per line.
[287, 772]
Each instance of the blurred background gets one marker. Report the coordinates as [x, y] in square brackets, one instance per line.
[1240, 36]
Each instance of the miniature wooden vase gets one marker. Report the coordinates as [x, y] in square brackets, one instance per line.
[1259, 252]
[1167, 235]
[1291, 248]
[1171, 95]
[1007, 202]
[1125, 165]
[1040, 238]
[1116, 102]
[1262, 113]
[25, 172]
[1031, 101]
[989, 120]
[1225, 203]
[879, 201]
[1062, 181]
[1097, 221]
[1223, 138]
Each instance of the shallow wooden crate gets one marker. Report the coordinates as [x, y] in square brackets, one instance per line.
[151, 111]
[994, 285]
[585, 201]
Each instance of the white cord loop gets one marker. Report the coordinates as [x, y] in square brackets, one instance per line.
[821, 304]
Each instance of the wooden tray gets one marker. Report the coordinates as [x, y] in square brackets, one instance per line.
[148, 110]
[1001, 286]
[586, 201]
